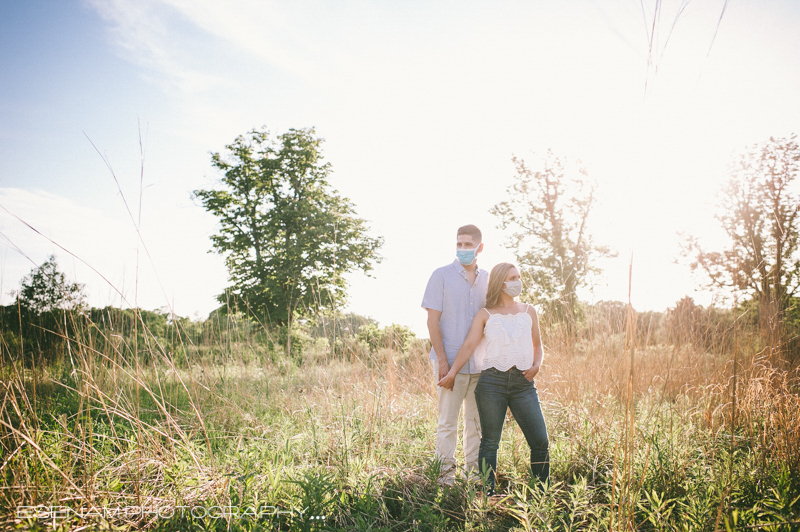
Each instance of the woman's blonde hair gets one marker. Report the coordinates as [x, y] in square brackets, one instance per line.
[496, 279]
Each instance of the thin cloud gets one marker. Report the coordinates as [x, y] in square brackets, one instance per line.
[144, 32]
[266, 31]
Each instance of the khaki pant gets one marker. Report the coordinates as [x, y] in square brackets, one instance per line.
[447, 431]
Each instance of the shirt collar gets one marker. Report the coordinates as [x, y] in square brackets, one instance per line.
[461, 269]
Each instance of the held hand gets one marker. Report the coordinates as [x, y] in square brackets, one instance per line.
[531, 372]
[448, 381]
[444, 368]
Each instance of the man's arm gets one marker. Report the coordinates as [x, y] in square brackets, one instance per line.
[435, 332]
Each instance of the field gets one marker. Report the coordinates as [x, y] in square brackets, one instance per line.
[224, 431]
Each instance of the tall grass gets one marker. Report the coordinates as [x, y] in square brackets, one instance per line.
[650, 430]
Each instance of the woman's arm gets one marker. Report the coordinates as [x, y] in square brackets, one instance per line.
[538, 352]
[467, 349]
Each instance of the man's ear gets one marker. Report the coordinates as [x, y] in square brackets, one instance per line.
[480, 247]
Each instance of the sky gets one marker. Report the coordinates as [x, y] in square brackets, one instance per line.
[109, 110]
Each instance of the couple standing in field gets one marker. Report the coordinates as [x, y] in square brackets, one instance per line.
[485, 351]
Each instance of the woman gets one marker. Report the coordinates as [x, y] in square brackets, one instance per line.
[513, 358]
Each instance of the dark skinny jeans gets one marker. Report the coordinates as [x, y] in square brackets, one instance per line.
[497, 391]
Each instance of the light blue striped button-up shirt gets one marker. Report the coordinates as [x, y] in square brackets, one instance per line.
[450, 292]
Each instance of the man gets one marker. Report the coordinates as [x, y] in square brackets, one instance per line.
[455, 293]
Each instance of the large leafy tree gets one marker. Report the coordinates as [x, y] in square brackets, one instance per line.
[287, 236]
[758, 209]
[548, 210]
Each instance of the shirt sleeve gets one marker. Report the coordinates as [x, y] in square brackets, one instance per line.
[434, 293]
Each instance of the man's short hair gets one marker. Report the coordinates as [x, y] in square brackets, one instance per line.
[472, 231]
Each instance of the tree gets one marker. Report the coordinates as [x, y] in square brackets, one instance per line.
[758, 211]
[548, 212]
[46, 289]
[287, 236]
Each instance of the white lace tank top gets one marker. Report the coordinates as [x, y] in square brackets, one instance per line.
[508, 341]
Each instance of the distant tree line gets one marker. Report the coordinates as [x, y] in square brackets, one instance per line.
[288, 238]
[50, 316]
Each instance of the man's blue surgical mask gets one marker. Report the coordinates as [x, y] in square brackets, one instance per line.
[466, 256]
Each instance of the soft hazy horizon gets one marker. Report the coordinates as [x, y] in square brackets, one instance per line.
[422, 106]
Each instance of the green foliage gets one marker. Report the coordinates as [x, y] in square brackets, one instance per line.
[287, 236]
[296, 337]
[371, 335]
[339, 325]
[33, 337]
[46, 289]
[394, 336]
[45, 312]
[125, 333]
[318, 497]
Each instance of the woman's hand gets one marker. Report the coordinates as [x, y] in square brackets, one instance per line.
[531, 372]
[448, 381]
[536, 338]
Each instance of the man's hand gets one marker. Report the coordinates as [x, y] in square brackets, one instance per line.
[444, 368]
[435, 332]
[448, 381]
[531, 372]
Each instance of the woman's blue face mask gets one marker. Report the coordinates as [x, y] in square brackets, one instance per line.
[466, 256]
